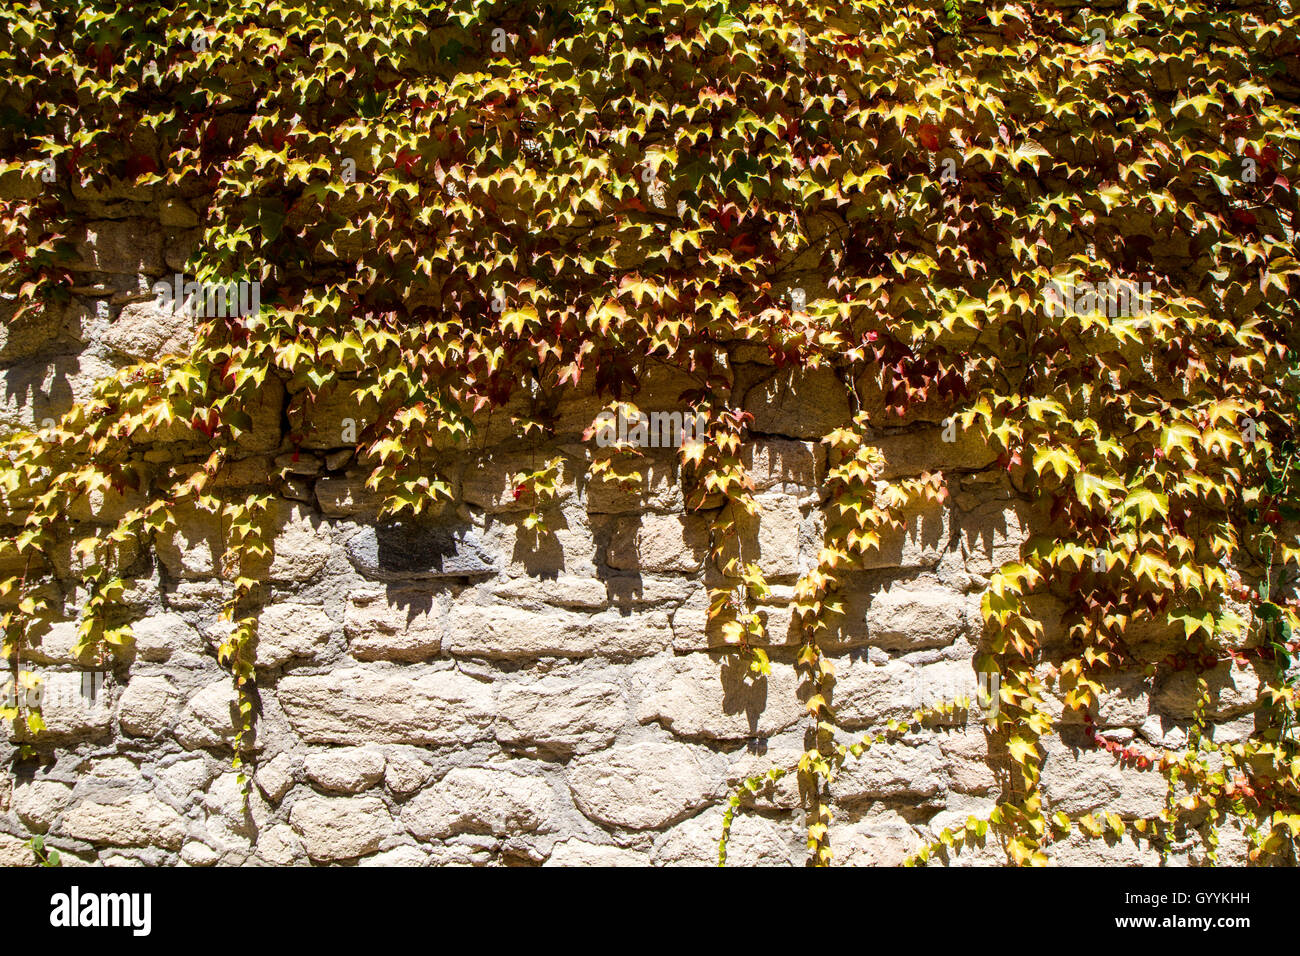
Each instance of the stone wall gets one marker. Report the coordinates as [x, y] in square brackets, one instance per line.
[458, 691]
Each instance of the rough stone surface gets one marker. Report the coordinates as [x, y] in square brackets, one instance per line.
[580, 853]
[275, 777]
[139, 820]
[644, 785]
[358, 705]
[340, 828]
[159, 636]
[697, 696]
[915, 617]
[1234, 690]
[39, 802]
[397, 551]
[209, 717]
[480, 800]
[396, 624]
[287, 632]
[659, 543]
[799, 404]
[146, 331]
[891, 772]
[1079, 782]
[147, 705]
[505, 631]
[560, 715]
[346, 770]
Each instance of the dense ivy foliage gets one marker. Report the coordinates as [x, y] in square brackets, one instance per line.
[449, 205]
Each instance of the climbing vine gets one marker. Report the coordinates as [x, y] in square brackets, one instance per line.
[460, 210]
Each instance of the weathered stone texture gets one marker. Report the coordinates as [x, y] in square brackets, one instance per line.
[395, 625]
[138, 820]
[480, 800]
[340, 828]
[698, 696]
[643, 786]
[560, 715]
[365, 704]
[503, 631]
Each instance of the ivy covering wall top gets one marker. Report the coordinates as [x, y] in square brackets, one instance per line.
[448, 206]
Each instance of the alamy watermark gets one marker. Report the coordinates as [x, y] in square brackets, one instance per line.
[942, 686]
[81, 691]
[653, 430]
[1114, 299]
[75, 909]
[209, 300]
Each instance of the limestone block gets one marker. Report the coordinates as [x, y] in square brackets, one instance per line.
[867, 694]
[340, 828]
[159, 636]
[38, 803]
[891, 772]
[46, 388]
[301, 546]
[287, 632]
[147, 706]
[782, 465]
[377, 704]
[279, 845]
[404, 773]
[660, 487]
[146, 331]
[345, 770]
[780, 794]
[55, 645]
[347, 495]
[511, 632]
[1079, 782]
[69, 710]
[560, 715]
[124, 247]
[693, 631]
[1234, 690]
[1078, 849]
[772, 537]
[696, 696]
[798, 403]
[14, 852]
[493, 800]
[567, 590]
[574, 852]
[659, 543]
[396, 624]
[1125, 702]
[34, 333]
[276, 777]
[138, 820]
[210, 717]
[971, 764]
[756, 840]
[882, 838]
[911, 617]
[333, 419]
[420, 551]
[920, 543]
[397, 856]
[644, 785]
[923, 449]
[488, 481]
[992, 535]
